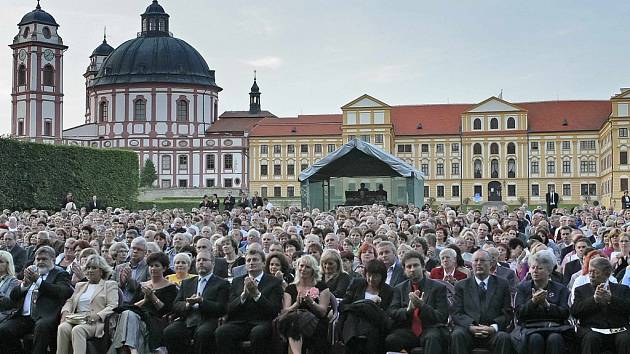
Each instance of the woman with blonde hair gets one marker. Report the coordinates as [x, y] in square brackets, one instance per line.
[83, 316]
[7, 283]
[335, 278]
[303, 319]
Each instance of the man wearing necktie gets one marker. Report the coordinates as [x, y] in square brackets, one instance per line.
[552, 199]
[199, 304]
[39, 300]
[483, 310]
[419, 310]
[255, 300]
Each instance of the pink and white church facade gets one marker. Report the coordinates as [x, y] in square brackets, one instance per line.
[153, 94]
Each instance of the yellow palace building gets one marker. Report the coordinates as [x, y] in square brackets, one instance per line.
[494, 150]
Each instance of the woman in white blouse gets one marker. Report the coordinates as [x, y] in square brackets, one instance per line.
[83, 316]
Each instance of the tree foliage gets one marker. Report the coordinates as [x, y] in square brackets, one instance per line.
[148, 174]
[38, 176]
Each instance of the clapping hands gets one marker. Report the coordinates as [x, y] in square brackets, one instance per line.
[602, 294]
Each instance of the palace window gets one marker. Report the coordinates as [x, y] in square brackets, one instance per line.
[623, 157]
[439, 169]
[477, 149]
[277, 149]
[22, 75]
[440, 191]
[566, 166]
[166, 163]
[494, 123]
[264, 170]
[182, 163]
[511, 168]
[439, 148]
[404, 148]
[455, 191]
[277, 169]
[566, 189]
[477, 168]
[264, 149]
[49, 75]
[511, 123]
[477, 124]
[587, 145]
[534, 167]
[623, 132]
[102, 111]
[551, 167]
[210, 162]
[511, 148]
[182, 110]
[494, 168]
[139, 110]
[455, 147]
[48, 127]
[535, 190]
[455, 168]
[290, 169]
[277, 192]
[494, 148]
[228, 162]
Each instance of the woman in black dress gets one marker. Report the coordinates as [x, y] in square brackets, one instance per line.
[363, 310]
[140, 326]
[542, 310]
[303, 321]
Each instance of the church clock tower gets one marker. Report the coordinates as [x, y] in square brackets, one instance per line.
[37, 92]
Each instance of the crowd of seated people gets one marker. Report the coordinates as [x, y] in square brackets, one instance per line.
[366, 279]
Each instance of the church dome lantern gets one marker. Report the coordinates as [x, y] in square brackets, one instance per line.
[155, 21]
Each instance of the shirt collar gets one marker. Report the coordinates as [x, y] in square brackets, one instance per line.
[206, 278]
[482, 280]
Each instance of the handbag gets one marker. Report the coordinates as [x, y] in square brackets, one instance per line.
[78, 318]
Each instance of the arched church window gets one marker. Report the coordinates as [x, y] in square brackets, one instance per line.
[182, 110]
[477, 124]
[511, 148]
[494, 123]
[139, 110]
[27, 31]
[151, 25]
[494, 168]
[162, 25]
[49, 75]
[103, 111]
[477, 168]
[22, 75]
[46, 32]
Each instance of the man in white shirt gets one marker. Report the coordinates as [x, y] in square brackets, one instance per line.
[39, 300]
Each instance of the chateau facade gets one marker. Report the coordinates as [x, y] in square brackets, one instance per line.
[156, 95]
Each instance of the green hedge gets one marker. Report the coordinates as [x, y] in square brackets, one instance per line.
[38, 176]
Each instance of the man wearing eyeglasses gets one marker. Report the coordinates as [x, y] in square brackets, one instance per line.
[483, 310]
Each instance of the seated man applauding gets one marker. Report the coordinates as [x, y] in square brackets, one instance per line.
[602, 309]
[419, 310]
[199, 303]
[483, 310]
[44, 291]
[255, 300]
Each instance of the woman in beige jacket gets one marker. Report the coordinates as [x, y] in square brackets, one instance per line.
[83, 316]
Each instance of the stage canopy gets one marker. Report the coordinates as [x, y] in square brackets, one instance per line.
[358, 162]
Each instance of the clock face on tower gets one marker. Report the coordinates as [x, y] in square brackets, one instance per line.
[22, 54]
[49, 55]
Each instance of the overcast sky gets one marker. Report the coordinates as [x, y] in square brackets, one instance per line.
[315, 56]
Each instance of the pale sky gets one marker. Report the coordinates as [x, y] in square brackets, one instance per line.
[314, 56]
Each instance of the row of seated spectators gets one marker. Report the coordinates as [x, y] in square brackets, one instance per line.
[311, 288]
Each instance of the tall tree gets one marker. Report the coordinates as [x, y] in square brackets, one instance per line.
[148, 174]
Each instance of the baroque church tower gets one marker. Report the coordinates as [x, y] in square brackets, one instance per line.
[37, 91]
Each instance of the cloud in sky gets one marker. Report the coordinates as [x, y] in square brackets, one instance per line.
[266, 62]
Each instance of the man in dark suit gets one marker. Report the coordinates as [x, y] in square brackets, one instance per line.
[603, 306]
[501, 271]
[483, 310]
[386, 252]
[257, 201]
[625, 200]
[94, 204]
[582, 246]
[18, 253]
[228, 201]
[553, 199]
[220, 266]
[199, 304]
[255, 300]
[38, 302]
[419, 310]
